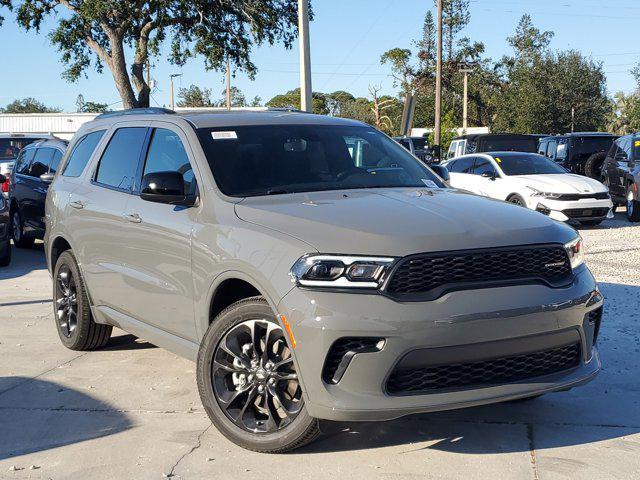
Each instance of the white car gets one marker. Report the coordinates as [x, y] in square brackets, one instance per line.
[532, 181]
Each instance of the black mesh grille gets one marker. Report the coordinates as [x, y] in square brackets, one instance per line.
[595, 316]
[585, 212]
[344, 349]
[483, 373]
[428, 276]
[581, 196]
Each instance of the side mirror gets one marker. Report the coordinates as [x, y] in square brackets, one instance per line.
[489, 175]
[166, 187]
[47, 177]
[441, 171]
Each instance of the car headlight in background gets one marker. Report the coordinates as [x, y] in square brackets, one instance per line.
[575, 251]
[549, 195]
[340, 271]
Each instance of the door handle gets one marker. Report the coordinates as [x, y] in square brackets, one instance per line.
[77, 204]
[133, 217]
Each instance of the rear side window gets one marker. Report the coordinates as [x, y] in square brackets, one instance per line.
[41, 160]
[119, 162]
[167, 154]
[82, 154]
[463, 165]
[24, 161]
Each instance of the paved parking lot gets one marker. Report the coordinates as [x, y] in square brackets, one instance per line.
[132, 410]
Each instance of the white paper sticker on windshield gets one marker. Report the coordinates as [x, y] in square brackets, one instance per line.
[230, 135]
[429, 183]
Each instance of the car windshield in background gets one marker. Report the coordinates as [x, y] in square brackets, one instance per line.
[420, 143]
[589, 145]
[507, 144]
[10, 147]
[526, 164]
[279, 159]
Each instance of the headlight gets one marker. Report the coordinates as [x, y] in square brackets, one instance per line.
[340, 271]
[575, 251]
[549, 195]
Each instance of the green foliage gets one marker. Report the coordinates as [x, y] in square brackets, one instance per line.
[448, 131]
[528, 41]
[28, 105]
[194, 97]
[90, 107]
[291, 99]
[96, 33]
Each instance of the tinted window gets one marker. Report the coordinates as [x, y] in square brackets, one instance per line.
[527, 164]
[561, 150]
[24, 161]
[55, 161]
[551, 149]
[10, 147]
[483, 166]
[119, 162]
[40, 163]
[507, 143]
[542, 148]
[167, 154]
[462, 165]
[82, 154]
[420, 143]
[590, 145]
[276, 159]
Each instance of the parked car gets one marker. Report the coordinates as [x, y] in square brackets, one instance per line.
[581, 152]
[282, 251]
[10, 146]
[34, 170]
[5, 230]
[418, 146]
[621, 173]
[532, 181]
[491, 142]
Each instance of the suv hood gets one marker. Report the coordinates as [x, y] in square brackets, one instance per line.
[399, 222]
[561, 183]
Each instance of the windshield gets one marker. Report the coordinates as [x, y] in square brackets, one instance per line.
[508, 144]
[590, 145]
[420, 143]
[527, 164]
[278, 159]
[10, 147]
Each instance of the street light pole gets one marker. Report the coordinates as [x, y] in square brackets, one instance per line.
[436, 129]
[171, 99]
[228, 75]
[306, 96]
[465, 97]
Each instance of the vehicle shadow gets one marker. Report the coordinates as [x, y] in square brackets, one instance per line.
[127, 342]
[618, 221]
[24, 261]
[605, 409]
[28, 430]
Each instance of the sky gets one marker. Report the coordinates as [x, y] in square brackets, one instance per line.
[347, 39]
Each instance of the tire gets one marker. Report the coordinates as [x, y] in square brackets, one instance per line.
[593, 165]
[633, 206]
[243, 372]
[590, 223]
[517, 200]
[17, 228]
[5, 259]
[72, 310]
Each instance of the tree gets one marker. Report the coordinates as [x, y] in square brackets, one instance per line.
[194, 97]
[402, 70]
[291, 99]
[528, 41]
[379, 108]
[96, 33]
[455, 16]
[29, 105]
[90, 107]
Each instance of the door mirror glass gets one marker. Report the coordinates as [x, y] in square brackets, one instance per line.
[441, 171]
[166, 187]
[47, 177]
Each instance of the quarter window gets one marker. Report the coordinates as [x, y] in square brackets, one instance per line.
[167, 154]
[119, 162]
[41, 160]
[463, 165]
[55, 161]
[81, 154]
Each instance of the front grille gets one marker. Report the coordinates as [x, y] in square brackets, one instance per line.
[595, 317]
[572, 197]
[341, 353]
[484, 373]
[427, 276]
[586, 212]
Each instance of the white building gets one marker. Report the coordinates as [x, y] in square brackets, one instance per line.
[62, 125]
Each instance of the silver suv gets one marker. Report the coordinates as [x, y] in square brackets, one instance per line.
[314, 269]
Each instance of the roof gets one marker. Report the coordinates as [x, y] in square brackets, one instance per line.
[50, 142]
[27, 135]
[582, 134]
[475, 136]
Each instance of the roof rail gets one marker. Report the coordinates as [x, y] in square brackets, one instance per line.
[285, 109]
[136, 111]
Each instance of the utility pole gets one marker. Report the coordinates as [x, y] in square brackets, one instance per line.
[573, 118]
[466, 70]
[171, 99]
[436, 129]
[306, 95]
[228, 84]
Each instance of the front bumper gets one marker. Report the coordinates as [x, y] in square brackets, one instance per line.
[585, 209]
[494, 317]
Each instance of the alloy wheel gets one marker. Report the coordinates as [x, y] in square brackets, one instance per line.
[66, 301]
[254, 378]
[630, 203]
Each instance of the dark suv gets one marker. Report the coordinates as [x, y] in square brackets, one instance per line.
[35, 166]
[419, 146]
[621, 173]
[582, 153]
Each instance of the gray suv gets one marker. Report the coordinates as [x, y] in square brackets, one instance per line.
[314, 269]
